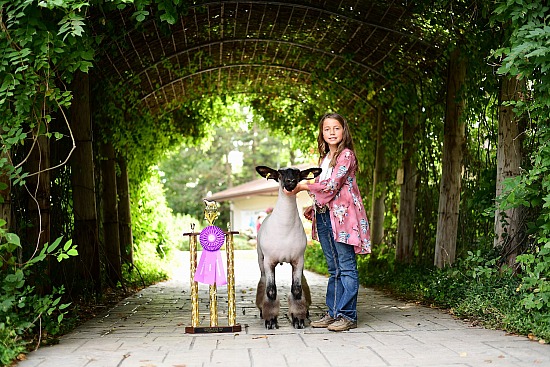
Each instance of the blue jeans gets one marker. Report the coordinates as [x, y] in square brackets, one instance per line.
[343, 283]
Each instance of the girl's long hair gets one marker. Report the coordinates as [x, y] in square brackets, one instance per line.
[347, 141]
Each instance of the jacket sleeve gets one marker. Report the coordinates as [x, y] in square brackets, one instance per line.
[324, 191]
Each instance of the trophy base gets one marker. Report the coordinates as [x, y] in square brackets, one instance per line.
[212, 329]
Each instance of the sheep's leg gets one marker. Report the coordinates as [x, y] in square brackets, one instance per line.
[307, 293]
[270, 306]
[260, 290]
[260, 295]
[298, 304]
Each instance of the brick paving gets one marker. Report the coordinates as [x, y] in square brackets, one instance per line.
[148, 330]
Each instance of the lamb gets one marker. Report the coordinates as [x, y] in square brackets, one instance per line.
[281, 238]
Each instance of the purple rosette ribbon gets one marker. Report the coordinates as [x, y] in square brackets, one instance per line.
[210, 269]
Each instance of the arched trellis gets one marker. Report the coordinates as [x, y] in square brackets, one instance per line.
[151, 99]
[353, 40]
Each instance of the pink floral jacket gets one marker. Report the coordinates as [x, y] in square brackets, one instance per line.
[347, 213]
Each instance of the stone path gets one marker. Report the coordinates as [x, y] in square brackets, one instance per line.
[148, 330]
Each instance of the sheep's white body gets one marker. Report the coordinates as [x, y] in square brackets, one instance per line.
[282, 234]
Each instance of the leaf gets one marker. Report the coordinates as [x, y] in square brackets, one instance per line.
[54, 245]
[61, 257]
[72, 252]
[38, 258]
[13, 239]
[56, 301]
[537, 52]
[68, 244]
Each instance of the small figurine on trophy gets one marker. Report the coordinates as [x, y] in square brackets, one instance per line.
[212, 211]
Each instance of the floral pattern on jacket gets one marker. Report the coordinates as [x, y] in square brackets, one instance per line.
[340, 194]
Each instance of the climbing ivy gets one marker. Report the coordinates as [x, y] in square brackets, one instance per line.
[526, 56]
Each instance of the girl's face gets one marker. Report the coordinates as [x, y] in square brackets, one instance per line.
[333, 132]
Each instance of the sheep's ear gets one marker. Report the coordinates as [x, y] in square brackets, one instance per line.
[310, 173]
[268, 172]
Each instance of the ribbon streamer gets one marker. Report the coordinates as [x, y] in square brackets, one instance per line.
[210, 269]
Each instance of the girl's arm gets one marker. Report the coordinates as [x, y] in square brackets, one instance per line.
[324, 191]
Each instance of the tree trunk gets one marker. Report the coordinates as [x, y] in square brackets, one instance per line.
[379, 184]
[85, 234]
[5, 194]
[453, 146]
[110, 215]
[407, 197]
[509, 154]
[124, 214]
[39, 186]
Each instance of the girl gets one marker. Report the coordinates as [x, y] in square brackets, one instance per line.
[340, 222]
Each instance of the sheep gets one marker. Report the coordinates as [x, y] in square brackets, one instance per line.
[281, 238]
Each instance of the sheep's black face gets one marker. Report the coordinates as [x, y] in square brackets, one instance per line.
[289, 178]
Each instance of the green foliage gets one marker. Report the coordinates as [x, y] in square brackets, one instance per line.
[41, 46]
[242, 242]
[532, 191]
[526, 56]
[25, 312]
[535, 285]
[155, 235]
[314, 259]
[474, 288]
[528, 51]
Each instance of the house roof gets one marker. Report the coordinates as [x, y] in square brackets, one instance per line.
[260, 186]
[257, 187]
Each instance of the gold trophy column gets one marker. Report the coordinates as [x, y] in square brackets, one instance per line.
[231, 307]
[194, 285]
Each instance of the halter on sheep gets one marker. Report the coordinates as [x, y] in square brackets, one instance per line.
[282, 238]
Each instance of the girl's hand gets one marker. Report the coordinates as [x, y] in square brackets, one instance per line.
[309, 212]
[296, 190]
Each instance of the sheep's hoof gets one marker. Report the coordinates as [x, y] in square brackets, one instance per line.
[271, 324]
[298, 323]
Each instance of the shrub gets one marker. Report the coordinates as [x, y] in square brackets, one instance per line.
[476, 288]
[26, 314]
[314, 259]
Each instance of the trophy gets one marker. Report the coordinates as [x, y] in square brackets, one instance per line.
[210, 271]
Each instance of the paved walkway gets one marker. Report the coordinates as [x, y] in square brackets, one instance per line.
[148, 330]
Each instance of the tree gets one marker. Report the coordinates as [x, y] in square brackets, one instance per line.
[508, 223]
[379, 182]
[453, 146]
[407, 198]
[86, 228]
